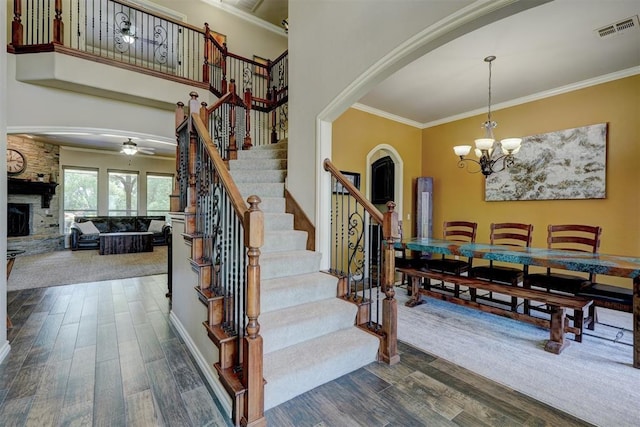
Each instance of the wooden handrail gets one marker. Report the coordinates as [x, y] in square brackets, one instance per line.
[239, 205]
[223, 100]
[368, 206]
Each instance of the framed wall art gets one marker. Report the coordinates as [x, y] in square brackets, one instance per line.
[561, 165]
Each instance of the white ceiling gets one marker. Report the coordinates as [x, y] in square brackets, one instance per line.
[539, 51]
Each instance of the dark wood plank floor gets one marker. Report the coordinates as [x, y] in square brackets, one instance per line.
[106, 354]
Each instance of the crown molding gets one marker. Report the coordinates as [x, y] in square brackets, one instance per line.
[386, 115]
[512, 103]
[538, 96]
[246, 16]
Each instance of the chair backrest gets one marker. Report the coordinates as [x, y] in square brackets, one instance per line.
[511, 234]
[460, 231]
[574, 237]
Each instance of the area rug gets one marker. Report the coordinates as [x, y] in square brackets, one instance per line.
[68, 267]
[593, 380]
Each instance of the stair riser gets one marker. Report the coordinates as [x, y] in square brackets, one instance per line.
[291, 372]
[258, 164]
[276, 294]
[276, 334]
[273, 222]
[248, 176]
[262, 153]
[267, 189]
[284, 241]
[272, 204]
[281, 266]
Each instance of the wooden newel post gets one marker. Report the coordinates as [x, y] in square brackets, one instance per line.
[208, 49]
[232, 150]
[58, 26]
[179, 113]
[204, 115]
[16, 24]
[389, 304]
[252, 352]
[246, 145]
[190, 209]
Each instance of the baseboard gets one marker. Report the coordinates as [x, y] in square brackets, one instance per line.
[210, 375]
[4, 350]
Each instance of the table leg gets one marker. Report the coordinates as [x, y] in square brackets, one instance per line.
[557, 341]
[636, 322]
[416, 298]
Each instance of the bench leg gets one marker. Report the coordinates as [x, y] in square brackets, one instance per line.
[416, 298]
[557, 342]
[578, 322]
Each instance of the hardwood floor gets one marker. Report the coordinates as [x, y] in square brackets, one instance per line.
[106, 354]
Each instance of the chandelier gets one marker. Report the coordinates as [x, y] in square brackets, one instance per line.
[492, 156]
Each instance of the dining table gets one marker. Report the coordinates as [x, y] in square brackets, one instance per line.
[603, 264]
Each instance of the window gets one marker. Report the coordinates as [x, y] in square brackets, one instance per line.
[159, 188]
[80, 189]
[123, 193]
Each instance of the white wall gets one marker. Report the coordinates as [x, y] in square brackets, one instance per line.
[4, 345]
[188, 313]
[338, 50]
[243, 38]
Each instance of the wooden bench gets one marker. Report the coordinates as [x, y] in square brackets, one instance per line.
[557, 303]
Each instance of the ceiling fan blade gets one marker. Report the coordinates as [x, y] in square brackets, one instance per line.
[146, 150]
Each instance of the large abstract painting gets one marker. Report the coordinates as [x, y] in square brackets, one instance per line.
[567, 164]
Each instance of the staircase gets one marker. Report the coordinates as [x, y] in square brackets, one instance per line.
[309, 334]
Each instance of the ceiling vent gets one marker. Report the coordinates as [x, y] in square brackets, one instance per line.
[623, 26]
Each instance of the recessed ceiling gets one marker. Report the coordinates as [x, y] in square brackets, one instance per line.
[541, 49]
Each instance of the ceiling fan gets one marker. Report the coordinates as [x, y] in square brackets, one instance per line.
[130, 148]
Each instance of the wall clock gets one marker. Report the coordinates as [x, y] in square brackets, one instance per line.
[16, 163]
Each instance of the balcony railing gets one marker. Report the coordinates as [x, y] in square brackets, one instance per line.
[110, 29]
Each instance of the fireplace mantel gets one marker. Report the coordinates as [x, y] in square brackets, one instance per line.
[22, 186]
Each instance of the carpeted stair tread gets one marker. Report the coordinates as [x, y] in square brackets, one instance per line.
[283, 292]
[296, 369]
[262, 153]
[292, 325]
[262, 189]
[266, 175]
[289, 263]
[284, 240]
[273, 204]
[278, 221]
[258, 164]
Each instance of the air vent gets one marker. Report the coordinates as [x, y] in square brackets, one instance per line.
[623, 26]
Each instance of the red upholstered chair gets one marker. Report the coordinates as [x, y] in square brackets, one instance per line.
[459, 231]
[568, 237]
[507, 234]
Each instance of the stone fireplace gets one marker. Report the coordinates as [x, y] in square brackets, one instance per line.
[33, 206]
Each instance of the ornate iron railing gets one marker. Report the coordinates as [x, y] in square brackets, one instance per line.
[111, 29]
[226, 235]
[264, 85]
[362, 256]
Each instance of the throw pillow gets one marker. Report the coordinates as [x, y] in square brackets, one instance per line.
[155, 226]
[87, 227]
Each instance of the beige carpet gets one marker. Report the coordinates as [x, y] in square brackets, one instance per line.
[68, 267]
[593, 380]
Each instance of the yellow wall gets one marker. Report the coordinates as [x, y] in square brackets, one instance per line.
[460, 195]
[356, 133]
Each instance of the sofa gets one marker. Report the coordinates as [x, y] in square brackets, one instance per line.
[85, 231]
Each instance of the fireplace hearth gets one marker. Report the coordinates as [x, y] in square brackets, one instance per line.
[18, 219]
